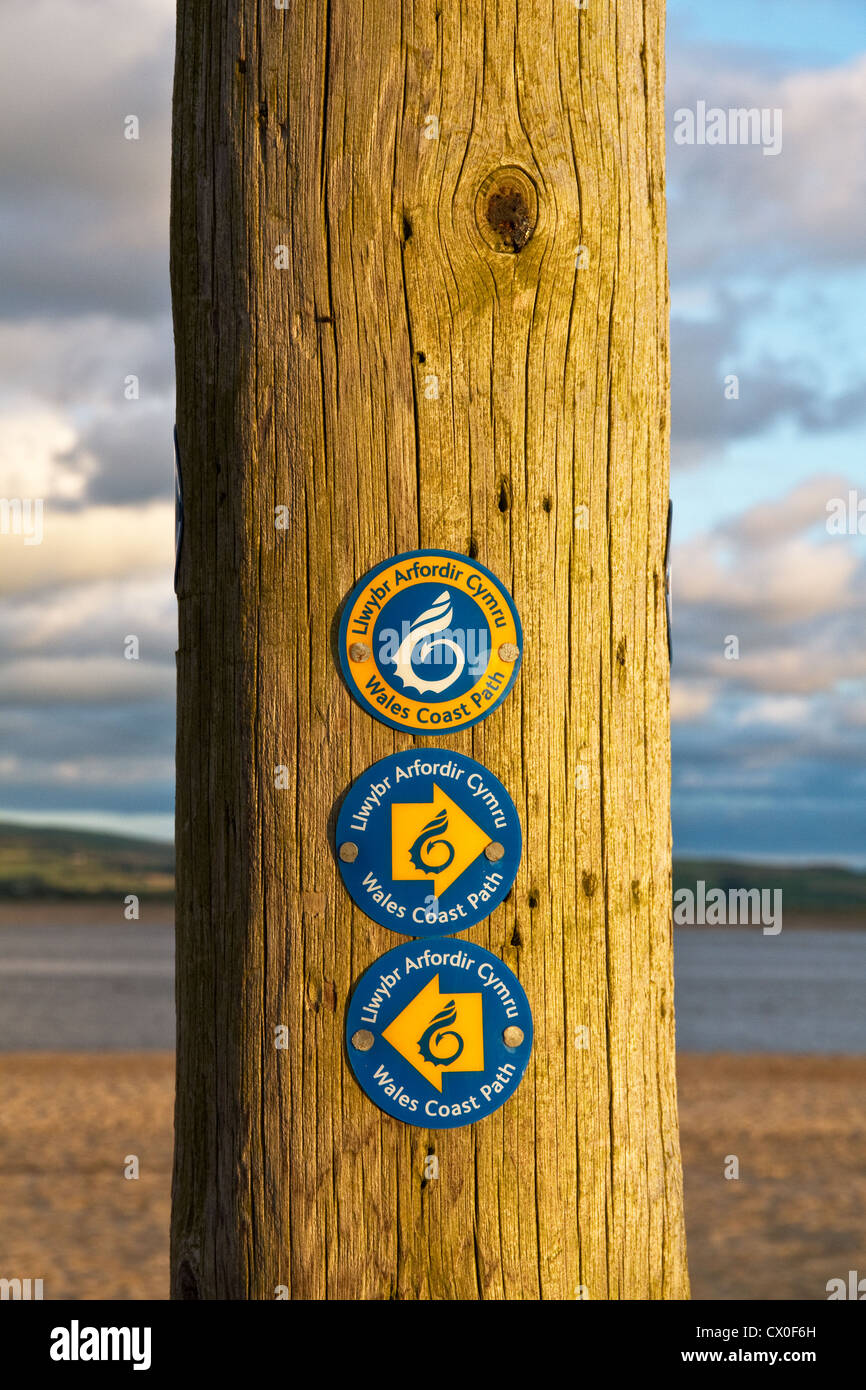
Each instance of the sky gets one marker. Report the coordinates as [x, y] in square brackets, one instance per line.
[768, 283]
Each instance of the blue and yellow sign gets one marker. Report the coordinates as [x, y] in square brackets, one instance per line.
[428, 842]
[439, 1033]
[430, 641]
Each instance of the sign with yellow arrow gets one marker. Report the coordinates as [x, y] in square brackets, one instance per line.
[428, 842]
[439, 1033]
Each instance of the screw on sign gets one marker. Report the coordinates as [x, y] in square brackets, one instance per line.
[439, 1033]
[430, 641]
[428, 842]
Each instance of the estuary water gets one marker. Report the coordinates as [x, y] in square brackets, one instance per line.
[740, 991]
[111, 988]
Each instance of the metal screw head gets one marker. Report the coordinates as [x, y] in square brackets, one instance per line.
[348, 852]
[512, 1036]
[359, 651]
[494, 851]
[509, 652]
[363, 1040]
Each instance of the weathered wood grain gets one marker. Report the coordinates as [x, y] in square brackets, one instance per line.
[411, 377]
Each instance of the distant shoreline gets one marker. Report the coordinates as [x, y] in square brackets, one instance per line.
[807, 921]
[78, 871]
[92, 912]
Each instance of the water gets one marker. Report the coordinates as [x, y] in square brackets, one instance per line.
[740, 991]
[111, 988]
[83, 989]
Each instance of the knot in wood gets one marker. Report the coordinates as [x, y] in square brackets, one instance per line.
[506, 210]
[509, 216]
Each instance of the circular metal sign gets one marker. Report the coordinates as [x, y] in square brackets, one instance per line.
[430, 642]
[428, 842]
[439, 1033]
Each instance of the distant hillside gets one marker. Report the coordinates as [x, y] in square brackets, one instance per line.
[818, 891]
[75, 864]
[70, 864]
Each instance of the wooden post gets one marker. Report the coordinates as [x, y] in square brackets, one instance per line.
[420, 299]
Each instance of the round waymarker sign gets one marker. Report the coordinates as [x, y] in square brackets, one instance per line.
[439, 1033]
[428, 842]
[430, 641]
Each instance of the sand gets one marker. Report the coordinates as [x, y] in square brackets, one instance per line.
[795, 1218]
[67, 1214]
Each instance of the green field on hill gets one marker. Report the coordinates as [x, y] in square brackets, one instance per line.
[72, 864]
[59, 864]
[821, 892]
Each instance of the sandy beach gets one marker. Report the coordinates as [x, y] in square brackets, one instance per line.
[794, 1218]
[67, 1214]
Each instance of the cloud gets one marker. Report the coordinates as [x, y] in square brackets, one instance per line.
[110, 781]
[68, 433]
[84, 225]
[792, 580]
[705, 351]
[768, 749]
[127, 454]
[92, 620]
[779, 711]
[81, 362]
[801, 509]
[93, 543]
[93, 681]
[735, 208]
[766, 567]
[783, 721]
[689, 702]
[34, 440]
